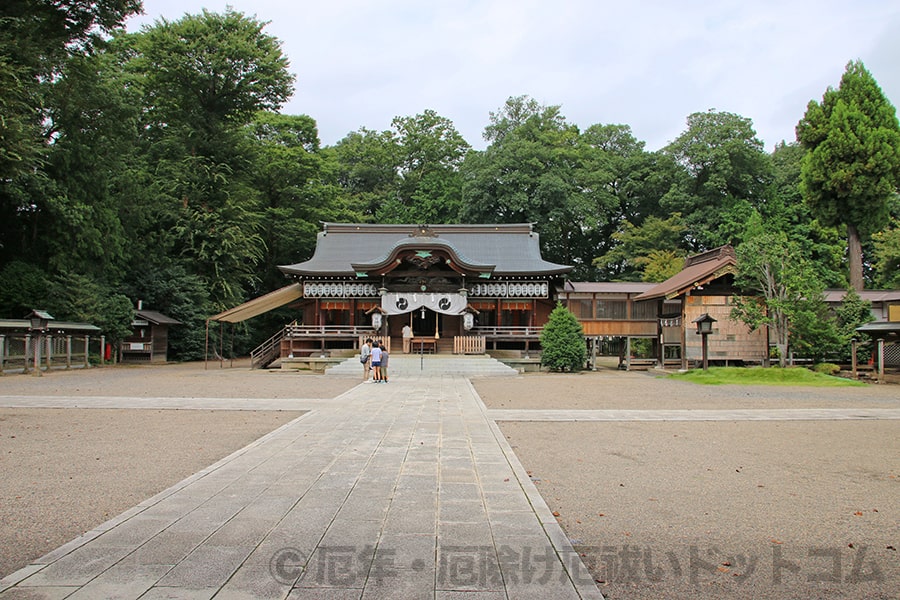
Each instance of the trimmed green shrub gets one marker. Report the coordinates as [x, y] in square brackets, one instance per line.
[562, 342]
[826, 368]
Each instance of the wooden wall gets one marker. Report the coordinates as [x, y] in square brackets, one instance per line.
[730, 339]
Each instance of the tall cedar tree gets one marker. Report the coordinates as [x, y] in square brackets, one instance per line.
[852, 168]
[562, 341]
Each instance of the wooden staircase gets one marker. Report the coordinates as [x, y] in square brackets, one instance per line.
[266, 353]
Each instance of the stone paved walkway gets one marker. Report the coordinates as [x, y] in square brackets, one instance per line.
[728, 414]
[405, 490]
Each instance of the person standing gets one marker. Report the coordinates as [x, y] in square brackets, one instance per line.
[365, 354]
[376, 362]
[384, 365]
[407, 338]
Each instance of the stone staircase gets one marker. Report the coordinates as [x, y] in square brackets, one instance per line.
[429, 365]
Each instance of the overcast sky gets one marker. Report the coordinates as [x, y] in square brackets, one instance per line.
[647, 64]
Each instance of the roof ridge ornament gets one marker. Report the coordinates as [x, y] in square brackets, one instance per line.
[424, 231]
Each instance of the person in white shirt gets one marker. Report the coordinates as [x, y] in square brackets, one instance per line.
[376, 361]
[365, 354]
[407, 338]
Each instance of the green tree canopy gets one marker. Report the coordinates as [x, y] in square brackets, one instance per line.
[203, 79]
[206, 70]
[430, 152]
[658, 244]
[528, 175]
[786, 211]
[623, 185]
[37, 37]
[887, 256]
[782, 294]
[726, 174]
[367, 163]
[852, 169]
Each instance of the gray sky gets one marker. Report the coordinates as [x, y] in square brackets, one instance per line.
[647, 64]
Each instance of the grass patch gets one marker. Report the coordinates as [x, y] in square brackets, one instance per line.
[763, 376]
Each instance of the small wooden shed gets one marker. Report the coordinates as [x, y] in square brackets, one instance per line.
[149, 339]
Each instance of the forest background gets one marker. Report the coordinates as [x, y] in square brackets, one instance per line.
[155, 166]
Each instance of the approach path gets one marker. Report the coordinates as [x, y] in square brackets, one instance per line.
[405, 490]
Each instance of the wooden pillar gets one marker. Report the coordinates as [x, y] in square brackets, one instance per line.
[68, 352]
[49, 349]
[27, 354]
[684, 300]
[2, 351]
[853, 358]
[881, 360]
[36, 344]
[87, 351]
[704, 342]
[102, 350]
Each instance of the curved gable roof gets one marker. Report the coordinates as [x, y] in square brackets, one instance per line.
[424, 246]
[509, 249]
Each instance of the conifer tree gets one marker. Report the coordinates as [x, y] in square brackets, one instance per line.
[562, 341]
[852, 169]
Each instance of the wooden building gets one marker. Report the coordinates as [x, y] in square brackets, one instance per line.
[149, 339]
[460, 288]
[39, 341]
[614, 321]
[478, 288]
[704, 286]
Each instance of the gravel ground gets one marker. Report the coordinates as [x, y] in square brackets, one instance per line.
[785, 509]
[65, 471]
[777, 509]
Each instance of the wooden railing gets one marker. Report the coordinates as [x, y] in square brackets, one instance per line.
[329, 330]
[44, 352]
[263, 355]
[468, 344]
[498, 331]
[476, 343]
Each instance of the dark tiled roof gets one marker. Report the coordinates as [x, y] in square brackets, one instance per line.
[699, 269]
[837, 296]
[54, 326]
[510, 249]
[155, 317]
[880, 328]
[429, 243]
[606, 287]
